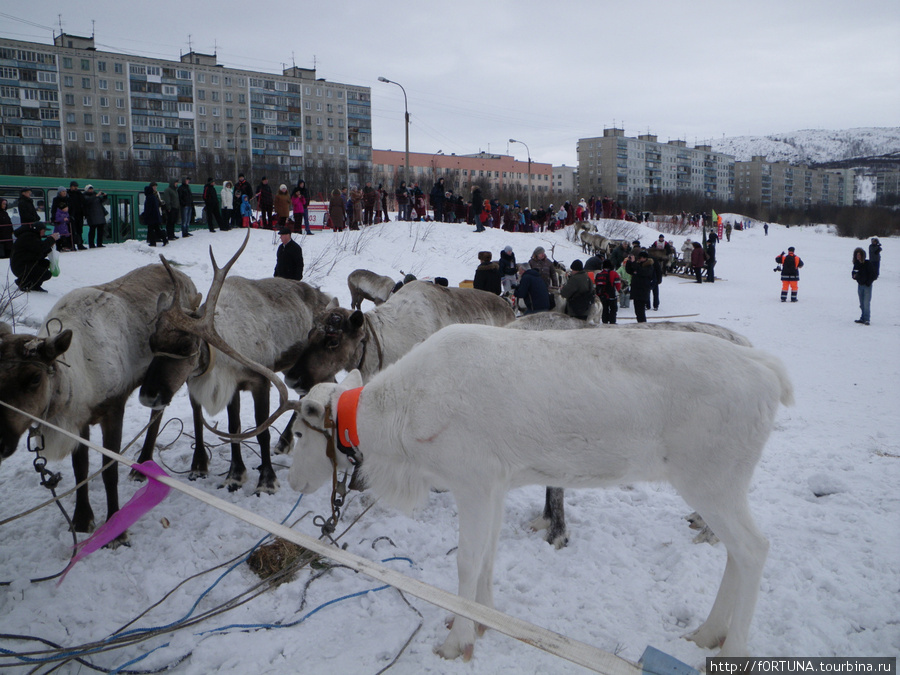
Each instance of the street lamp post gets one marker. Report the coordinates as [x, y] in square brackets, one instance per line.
[406, 116]
[513, 140]
[434, 164]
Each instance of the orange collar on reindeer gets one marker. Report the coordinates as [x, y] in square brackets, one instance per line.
[345, 421]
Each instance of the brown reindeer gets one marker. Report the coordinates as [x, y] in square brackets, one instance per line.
[266, 320]
[343, 339]
[91, 353]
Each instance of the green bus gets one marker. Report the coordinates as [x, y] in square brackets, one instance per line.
[125, 202]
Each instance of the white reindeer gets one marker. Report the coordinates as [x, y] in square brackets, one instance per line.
[433, 420]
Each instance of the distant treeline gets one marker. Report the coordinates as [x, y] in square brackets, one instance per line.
[859, 222]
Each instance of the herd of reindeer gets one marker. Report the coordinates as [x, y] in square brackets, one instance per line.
[429, 415]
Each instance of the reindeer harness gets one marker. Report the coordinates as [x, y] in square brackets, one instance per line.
[341, 434]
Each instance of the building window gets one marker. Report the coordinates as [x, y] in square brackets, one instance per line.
[72, 135]
[67, 63]
[85, 64]
[69, 99]
[68, 81]
[121, 120]
[87, 101]
[88, 118]
[104, 102]
[104, 119]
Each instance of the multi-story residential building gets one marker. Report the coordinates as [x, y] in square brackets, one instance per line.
[784, 185]
[631, 169]
[494, 173]
[564, 180]
[69, 102]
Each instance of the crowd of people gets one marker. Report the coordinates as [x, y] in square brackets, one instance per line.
[29, 247]
[626, 272]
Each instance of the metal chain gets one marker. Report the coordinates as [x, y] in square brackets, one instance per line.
[49, 479]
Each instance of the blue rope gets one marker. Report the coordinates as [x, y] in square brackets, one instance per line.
[78, 653]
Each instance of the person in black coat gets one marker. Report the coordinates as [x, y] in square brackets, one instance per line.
[186, 204]
[211, 202]
[533, 291]
[265, 202]
[27, 212]
[875, 255]
[288, 258]
[6, 230]
[487, 274]
[508, 269]
[152, 216]
[640, 267]
[29, 256]
[710, 260]
[437, 200]
[865, 275]
[95, 214]
[76, 215]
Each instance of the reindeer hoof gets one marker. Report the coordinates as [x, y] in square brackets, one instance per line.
[706, 638]
[197, 473]
[558, 541]
[136, 476]
[452, 651]
[268, 488]
[83, 521]
[121, 540]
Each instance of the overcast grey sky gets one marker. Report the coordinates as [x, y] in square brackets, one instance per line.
[479, 72]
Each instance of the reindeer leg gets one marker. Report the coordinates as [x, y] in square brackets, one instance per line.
[555, 515]
[111, 426]
[286, 440]
[480, 513]
[268, 483]
[729, 620]
[148, 447]
[237, 472]
[200, 460]
[83, 517]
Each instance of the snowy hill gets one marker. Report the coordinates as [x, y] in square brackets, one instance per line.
[813, 146]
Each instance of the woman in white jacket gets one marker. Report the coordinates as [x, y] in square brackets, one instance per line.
[227, 197]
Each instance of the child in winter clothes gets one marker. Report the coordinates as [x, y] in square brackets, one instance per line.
[246, 211]
[61, 227]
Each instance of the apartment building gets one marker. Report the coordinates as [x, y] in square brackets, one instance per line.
[631, 169]
[493, 173]
[70, 102]
[564, 180]
[785, 185]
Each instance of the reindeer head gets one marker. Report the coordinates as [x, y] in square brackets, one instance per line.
[176, 352]
[311, 466]
[335, 343]
[27, 373]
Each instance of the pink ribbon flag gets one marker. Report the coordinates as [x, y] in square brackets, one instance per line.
[143, 501]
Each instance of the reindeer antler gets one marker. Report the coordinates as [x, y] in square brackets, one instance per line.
[203, 326]
[176, 299]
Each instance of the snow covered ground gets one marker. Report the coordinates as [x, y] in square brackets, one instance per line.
[825, 493]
